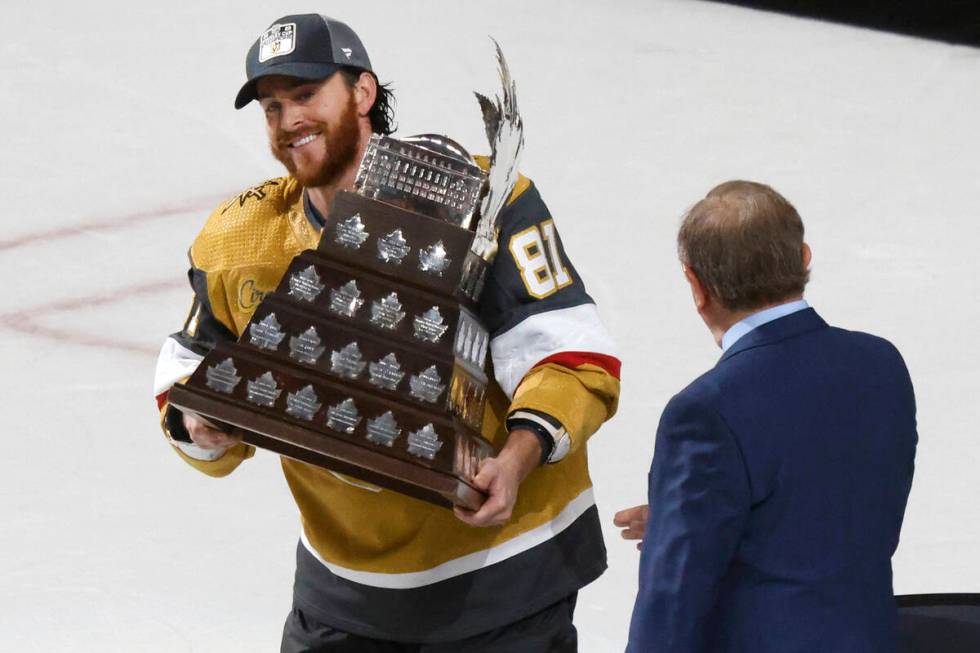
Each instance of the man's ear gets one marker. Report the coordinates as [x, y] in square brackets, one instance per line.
[807, 255]
[698, 291]
[365, 92]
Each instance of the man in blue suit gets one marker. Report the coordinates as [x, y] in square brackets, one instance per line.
[780, 477]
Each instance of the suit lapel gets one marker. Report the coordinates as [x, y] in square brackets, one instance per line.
[785, 327]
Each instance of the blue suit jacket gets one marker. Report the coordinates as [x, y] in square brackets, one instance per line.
[777, 492]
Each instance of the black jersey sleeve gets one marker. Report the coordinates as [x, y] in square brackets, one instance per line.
[531, 273]
[185, 349]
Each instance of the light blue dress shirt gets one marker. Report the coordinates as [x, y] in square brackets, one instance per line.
[756, 320]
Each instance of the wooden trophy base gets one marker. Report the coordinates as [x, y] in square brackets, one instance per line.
[337, 454]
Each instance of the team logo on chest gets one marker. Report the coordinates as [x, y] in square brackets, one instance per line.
[278, 40]
[249, 295]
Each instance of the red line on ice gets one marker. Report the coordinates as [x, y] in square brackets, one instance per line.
[25, 320]
[111, 297]
[111, 224]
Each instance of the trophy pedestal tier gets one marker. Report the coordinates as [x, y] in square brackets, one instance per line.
[308, 417]
[393, 241]
[384, 305]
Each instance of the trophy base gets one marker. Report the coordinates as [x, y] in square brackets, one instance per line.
[309, 446]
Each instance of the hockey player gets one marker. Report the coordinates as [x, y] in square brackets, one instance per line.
[376, 570]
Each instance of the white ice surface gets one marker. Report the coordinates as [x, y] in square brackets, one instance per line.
[118, 136]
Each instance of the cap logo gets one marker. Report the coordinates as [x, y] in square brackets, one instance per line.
[347, 52]
[278, 40]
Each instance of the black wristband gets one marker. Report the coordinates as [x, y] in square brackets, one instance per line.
[174, 419]
[547, 443]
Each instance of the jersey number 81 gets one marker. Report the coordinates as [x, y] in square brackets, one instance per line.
[535, 250]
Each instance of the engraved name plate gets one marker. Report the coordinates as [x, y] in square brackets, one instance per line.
[426, 386]
[433, 259]
[343, 417]
[305, 285]
[307, 347]
[424, 443]
[350, 233]
[267, 334]
[383, 430]
[393, 247]
[346, 300]
[264, 390]
[303, 403]
[387, 313]
[386, 373]
[430, 326]
[347, 362]
[223, 377]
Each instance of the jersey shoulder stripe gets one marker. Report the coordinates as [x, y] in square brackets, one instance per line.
[542, 336]
[522, 184]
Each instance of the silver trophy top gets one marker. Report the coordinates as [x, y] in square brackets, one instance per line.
[434, 175]
[429, 174]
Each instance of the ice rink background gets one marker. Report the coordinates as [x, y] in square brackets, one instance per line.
[118, 137]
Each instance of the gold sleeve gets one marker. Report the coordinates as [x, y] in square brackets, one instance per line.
[217, 468]
[581, 398]
[223, 466]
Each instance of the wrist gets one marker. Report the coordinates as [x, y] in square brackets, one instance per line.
[554, 439]
[522, 451]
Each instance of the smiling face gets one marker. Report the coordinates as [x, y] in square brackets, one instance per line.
[314, 127]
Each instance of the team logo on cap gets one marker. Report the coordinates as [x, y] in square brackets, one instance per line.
[278, 40]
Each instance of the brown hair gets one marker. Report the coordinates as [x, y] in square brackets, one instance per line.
[744, 242]
[382, 114]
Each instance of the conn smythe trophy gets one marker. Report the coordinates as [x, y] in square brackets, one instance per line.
[369, 358]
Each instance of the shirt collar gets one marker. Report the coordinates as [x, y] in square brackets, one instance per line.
[312, 214]
[756, 320]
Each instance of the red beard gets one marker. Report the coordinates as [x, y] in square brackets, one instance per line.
[341, 147]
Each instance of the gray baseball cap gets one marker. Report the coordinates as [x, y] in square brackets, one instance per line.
[308, 46]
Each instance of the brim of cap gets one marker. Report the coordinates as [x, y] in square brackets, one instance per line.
[288, 69]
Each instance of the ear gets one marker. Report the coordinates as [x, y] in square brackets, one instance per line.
[807, 255]
[698, 291]
[365, 92]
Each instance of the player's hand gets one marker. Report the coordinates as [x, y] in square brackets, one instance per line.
[501, 478]
[633, 521]
[206, 436]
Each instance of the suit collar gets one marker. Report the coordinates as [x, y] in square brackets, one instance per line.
[785, 327]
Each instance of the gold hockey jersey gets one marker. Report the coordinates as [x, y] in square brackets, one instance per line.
[551, 355]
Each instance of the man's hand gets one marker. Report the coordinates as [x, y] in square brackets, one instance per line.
[501, 477]
[633, 521]
[206, 436]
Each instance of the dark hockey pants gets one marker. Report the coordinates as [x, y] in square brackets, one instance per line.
[548, 631]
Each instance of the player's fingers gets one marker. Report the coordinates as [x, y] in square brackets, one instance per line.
[488, 472]
[225, 442]
[464, 515]
[210, 438]
[494, 511]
